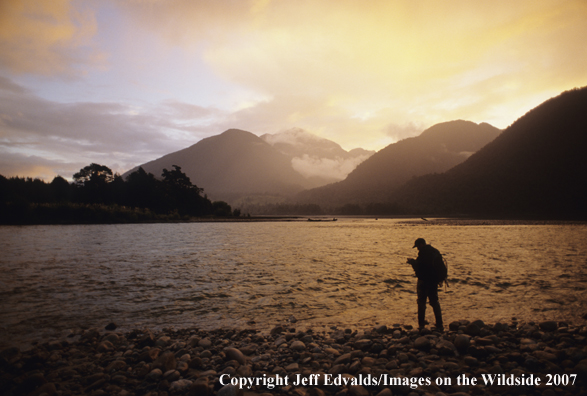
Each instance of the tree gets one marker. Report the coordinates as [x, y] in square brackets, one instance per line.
[178, 179]
[221, 208]
[145, 191]
[93, 174]
[93, 182]
[4, 189]
[183, 195]
[60, 189]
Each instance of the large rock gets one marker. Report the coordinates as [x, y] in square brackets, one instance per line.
[446, 348]
[180, 386]
[229, 390]
[235, 354]
[358, 390]
[244, 371]
[205, 343]
[155, 375]
[422, 343]
[385, 392]
[342, 359]
[166, 361]
[549, 325]
[292, 367]
[111, 326]
[200, 387]
[249, 349]
[297, 346]
[472, 329]
[276, 330]
[462, 343]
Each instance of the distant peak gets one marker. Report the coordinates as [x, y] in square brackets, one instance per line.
[456, 126]
[234, 131]
[237, 134]
[294, 136]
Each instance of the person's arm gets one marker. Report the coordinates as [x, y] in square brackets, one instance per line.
[414, 263]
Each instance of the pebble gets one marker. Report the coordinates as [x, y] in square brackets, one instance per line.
[229, 390]
[190, 362]
[235, 354]
[297, 346]
[180, 386]
[205, 343]
[422, 343]
[111, 326]
[462, 343]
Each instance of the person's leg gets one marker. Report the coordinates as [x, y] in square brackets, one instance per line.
[422, 296]
[435, 304]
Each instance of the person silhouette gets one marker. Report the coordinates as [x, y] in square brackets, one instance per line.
[427, 287]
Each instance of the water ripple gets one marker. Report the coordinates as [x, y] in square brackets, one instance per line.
[56, 279]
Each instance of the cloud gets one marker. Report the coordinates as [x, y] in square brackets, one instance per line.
[187, 111]
[9, 86]
[365, 66]
[66, 135]
[295, 136]
[360, 74]
[313, 156]
[400, 132]
[16, 164]
[336, 169]
[46, 37]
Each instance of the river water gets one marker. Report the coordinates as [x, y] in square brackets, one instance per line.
[56, 280]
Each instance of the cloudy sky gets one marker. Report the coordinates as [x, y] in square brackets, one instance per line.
[124, 82]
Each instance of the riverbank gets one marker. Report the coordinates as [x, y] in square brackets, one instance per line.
[546, 358]
[74, 214]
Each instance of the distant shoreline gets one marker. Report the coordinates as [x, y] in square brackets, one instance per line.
[456, 221]
[495, 222]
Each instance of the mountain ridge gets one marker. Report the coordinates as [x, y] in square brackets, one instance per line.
[436, 149]
[535, 168]
[232, 163]
[238, 163]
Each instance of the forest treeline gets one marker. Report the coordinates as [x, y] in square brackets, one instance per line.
[97, 195]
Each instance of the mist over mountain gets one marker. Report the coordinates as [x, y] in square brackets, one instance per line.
[316, 157]
[233, 164]
[437, 149]
[237, 164]
[536, 168]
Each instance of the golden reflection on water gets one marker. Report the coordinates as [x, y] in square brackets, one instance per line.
[350, 273]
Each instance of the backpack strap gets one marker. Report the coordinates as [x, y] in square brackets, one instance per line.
[446, 279]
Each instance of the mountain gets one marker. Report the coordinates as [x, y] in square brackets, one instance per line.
[237, 164]
[233, 164]
[316, 158]
[536, 168]
[437, 149]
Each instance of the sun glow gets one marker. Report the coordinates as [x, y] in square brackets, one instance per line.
[351, 72]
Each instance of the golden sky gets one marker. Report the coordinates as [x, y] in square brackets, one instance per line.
[124, 82]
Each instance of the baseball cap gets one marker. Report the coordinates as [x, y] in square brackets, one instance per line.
[419, 241]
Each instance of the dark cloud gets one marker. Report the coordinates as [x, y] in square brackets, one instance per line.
[33, 129]
[9, 86]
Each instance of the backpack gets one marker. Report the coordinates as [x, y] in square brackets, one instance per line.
[440, 267]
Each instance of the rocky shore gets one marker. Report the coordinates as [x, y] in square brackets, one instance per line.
[519, 358]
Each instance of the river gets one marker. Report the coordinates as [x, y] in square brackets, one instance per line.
[57, 280]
